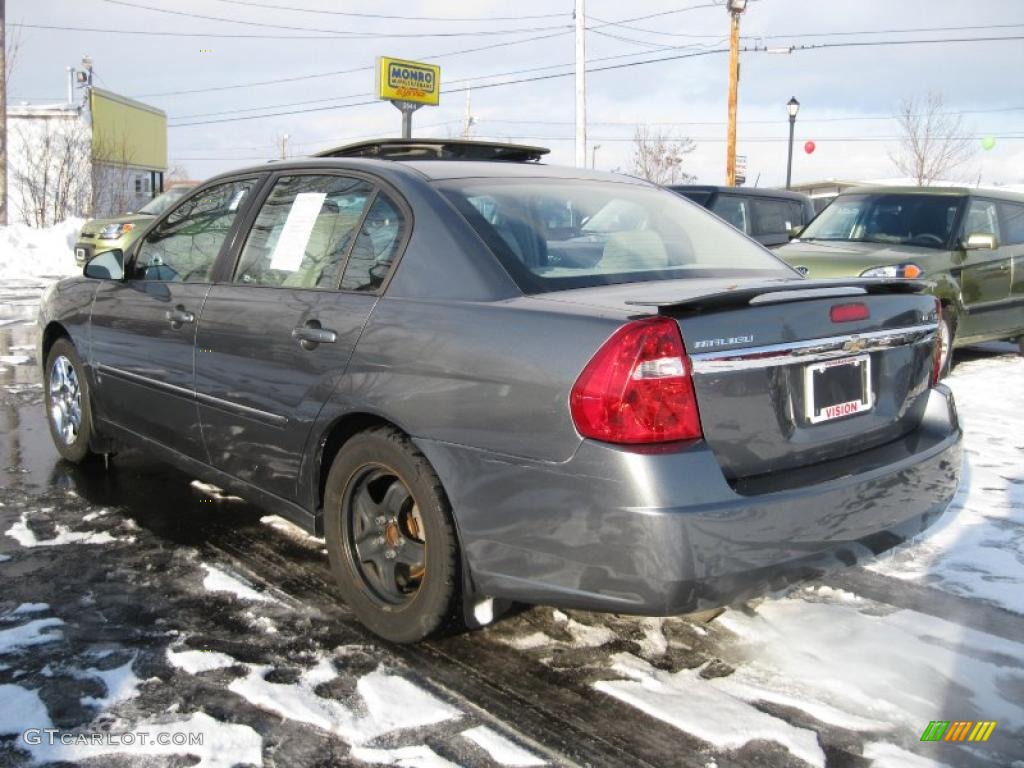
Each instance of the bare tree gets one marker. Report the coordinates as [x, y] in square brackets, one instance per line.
[658, 156]
[51, 173]
[113, 176]
[932, 141]
[12, 49]
[177, 172]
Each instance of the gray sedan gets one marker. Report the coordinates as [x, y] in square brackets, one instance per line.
[484, 379]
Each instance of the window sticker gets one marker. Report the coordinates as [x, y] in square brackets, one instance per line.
[291, 245]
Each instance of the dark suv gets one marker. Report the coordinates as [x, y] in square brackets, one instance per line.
[767, 215]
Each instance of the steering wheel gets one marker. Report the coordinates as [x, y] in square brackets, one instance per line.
[927, 237]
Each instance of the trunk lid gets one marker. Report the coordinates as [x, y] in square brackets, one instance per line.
[753, 341]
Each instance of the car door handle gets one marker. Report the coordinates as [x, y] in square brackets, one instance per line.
[179, 316]
[309, 336]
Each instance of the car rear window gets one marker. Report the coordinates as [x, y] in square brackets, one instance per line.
[553, 234]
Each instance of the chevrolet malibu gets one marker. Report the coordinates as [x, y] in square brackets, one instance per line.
[484, 379]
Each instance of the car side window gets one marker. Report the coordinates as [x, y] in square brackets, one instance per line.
[773, 217]
[981, 218]
[303, 232]
[734, 210]
[1012, 218]
[375, 247]
[184, 246]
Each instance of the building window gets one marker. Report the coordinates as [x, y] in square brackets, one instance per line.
[142, 185]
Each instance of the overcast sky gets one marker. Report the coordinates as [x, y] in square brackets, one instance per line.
[687, 95]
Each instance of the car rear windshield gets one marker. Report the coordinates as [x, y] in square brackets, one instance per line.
[553, 234]
[898, 219]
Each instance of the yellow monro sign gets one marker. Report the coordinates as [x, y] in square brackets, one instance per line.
[401, 80]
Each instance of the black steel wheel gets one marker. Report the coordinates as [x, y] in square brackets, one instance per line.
[390, 536]
[67, 402]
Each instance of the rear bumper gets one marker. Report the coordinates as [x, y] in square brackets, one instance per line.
[661, 532]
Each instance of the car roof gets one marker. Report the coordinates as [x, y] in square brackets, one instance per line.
[943, 191]
[754, 192]
[435, 170]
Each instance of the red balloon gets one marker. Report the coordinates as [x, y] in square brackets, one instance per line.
[809, 147]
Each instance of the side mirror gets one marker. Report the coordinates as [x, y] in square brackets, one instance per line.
[108, 265]
[979, 241]
[795, 232]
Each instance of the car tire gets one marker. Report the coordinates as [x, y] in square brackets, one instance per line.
[390, 536]
[1020, 346]
[68, 411]
[947, 335]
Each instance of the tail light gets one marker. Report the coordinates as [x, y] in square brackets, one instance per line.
[638, 387]
[937, 353]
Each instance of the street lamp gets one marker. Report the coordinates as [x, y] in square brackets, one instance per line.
[593, 155]
[737, 6]
[792, 106]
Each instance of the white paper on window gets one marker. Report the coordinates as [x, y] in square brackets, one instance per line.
[291, 245]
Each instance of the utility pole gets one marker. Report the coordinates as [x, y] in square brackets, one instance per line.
[736, 7]
[581, 84]
[284, 146]
[3, 113]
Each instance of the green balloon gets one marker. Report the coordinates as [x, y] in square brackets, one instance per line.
[988, 142]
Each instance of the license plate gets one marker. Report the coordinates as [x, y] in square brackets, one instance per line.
[839, 388]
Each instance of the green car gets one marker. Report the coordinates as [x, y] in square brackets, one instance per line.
[968, 242]
[101, 235]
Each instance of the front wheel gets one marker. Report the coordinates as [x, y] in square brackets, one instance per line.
[390, 536]
[67, 402]
[947, 333]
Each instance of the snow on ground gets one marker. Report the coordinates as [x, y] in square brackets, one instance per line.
[223, 745]
[25, 536]
[977, 549]
[219, 581]
[499, 748]
[27, 252]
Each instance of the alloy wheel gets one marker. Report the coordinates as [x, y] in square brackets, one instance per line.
[65, 400]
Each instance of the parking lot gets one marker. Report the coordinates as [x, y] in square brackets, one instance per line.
[139, 600]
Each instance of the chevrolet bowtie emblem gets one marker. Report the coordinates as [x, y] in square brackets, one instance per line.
[855, 345]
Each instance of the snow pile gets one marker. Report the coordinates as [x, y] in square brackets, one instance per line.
[977, 549]
[29, 252]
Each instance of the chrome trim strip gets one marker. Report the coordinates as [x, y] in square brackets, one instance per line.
[216, 402]
[102, 368]
[809, 351]
[245, 410]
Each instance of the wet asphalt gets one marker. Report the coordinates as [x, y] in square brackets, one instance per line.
[142, 593]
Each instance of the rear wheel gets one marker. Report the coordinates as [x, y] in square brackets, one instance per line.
[390, 536]
[67, 402]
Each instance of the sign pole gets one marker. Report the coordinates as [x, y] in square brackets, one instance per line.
[406, 108]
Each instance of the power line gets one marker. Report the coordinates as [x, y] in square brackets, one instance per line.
[617, 66]
[368, 94]
[340, 33]
[803, 120]
[275, 81]
[386, 16]
[888, 31]
[764, 139]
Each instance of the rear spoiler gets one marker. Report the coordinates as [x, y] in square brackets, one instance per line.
[788, 290]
